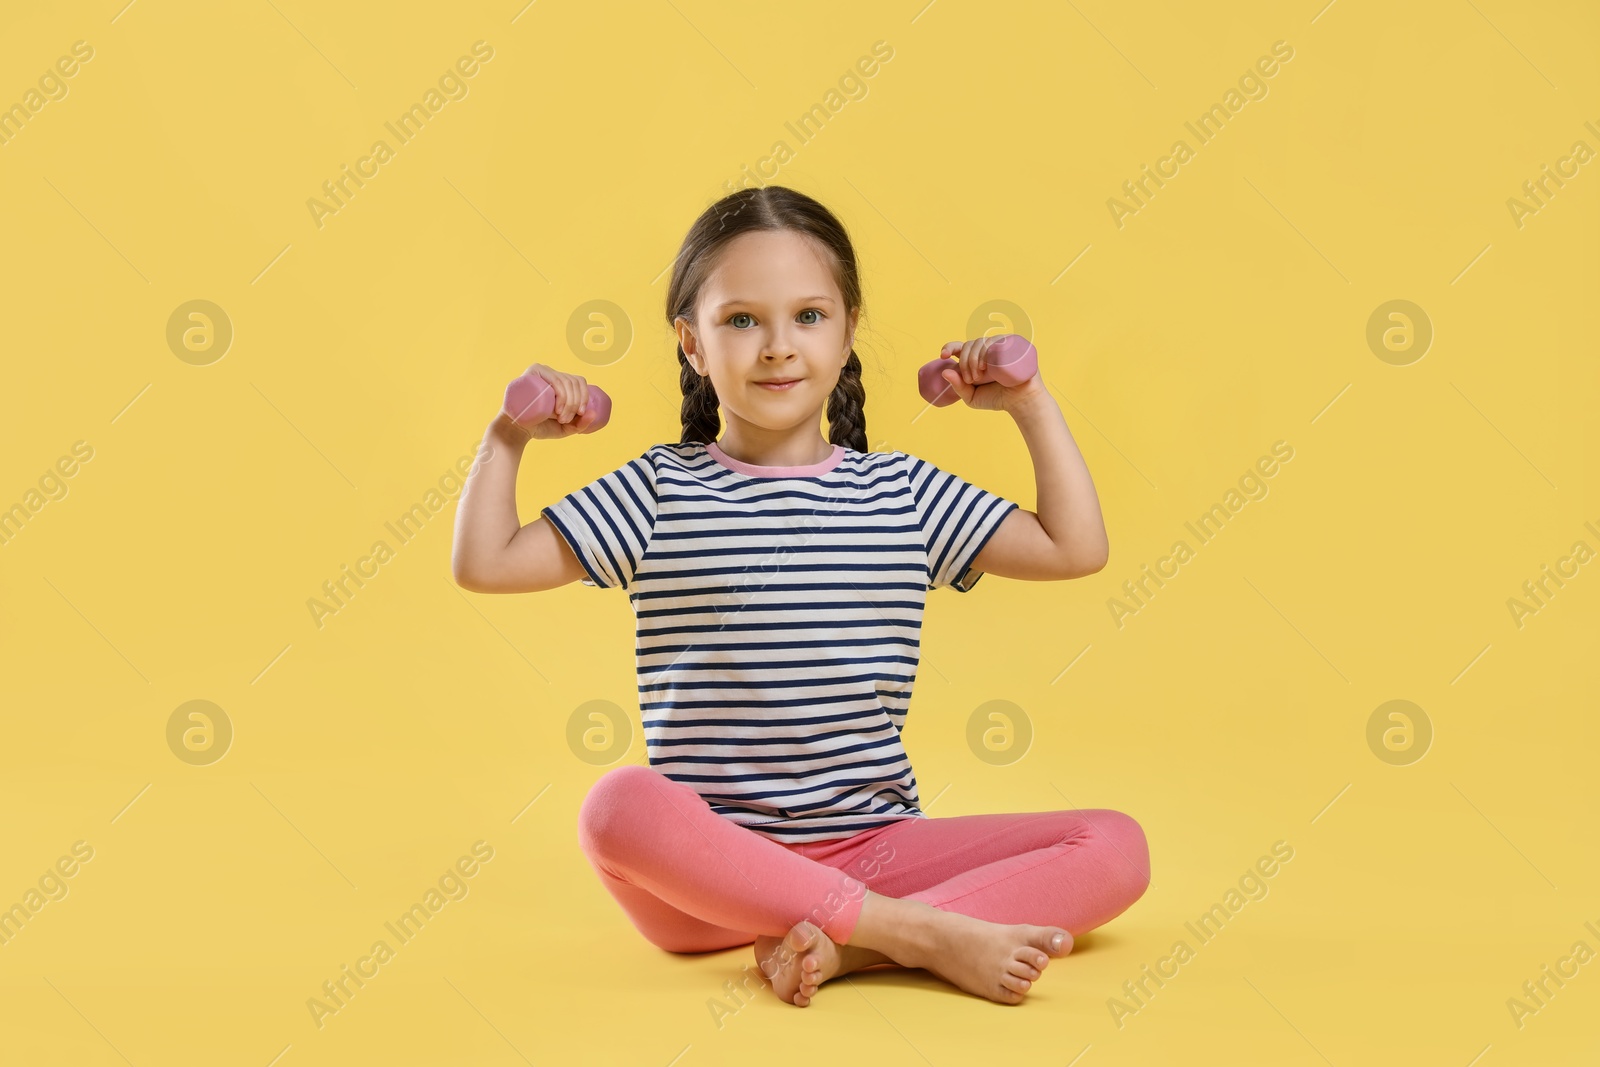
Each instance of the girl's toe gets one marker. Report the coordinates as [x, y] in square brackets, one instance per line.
[1023, 970]
[1031, 958]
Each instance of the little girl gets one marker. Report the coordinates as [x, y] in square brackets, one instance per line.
[779, 580]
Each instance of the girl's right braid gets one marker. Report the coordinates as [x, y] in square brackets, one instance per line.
[700, 414]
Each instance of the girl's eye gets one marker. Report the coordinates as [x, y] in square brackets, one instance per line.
[733, 319]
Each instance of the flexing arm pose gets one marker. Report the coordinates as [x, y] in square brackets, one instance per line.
[493, 552]
[1066, 537]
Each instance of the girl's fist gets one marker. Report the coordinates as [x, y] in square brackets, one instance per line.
[571, 414]
[970, 365]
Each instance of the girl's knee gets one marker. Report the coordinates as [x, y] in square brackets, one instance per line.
[613, 806]
[1132, 855]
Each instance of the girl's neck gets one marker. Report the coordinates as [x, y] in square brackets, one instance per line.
[763, 448]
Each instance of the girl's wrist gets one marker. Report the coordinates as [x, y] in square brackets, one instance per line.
[504, 432]
[1035, 399]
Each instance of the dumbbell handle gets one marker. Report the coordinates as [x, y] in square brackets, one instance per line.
[530, 400]
[1011, 360]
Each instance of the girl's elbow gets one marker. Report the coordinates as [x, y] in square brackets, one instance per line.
[468, 575]
[460, 572]
[1094, 568]
[465, 580]
[1083, 566]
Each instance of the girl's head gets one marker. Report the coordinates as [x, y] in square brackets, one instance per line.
[765, 287]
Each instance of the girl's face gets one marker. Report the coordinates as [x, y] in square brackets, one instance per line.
[770, 311]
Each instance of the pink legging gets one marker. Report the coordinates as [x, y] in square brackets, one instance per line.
[693, 881]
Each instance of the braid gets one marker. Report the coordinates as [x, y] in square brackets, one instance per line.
[701, 415]
[847, 422]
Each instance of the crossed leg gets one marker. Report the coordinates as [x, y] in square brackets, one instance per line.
[1073, 869]
[693, 881]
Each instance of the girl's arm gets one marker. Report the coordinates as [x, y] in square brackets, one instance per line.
[1066, 537]
[492, 551]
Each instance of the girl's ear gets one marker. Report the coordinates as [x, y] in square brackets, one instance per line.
[686, 341]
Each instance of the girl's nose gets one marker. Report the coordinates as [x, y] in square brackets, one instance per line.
[778, 345]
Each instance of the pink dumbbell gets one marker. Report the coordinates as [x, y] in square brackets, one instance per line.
[530, 401]
[1011, 360]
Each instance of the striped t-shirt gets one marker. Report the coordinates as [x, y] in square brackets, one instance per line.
[779, 614]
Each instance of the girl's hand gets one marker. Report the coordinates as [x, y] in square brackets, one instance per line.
[990, 396]
[571, 414]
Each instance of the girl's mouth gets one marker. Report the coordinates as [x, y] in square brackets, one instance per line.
[778, 387]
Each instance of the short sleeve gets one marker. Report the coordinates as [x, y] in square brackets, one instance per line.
[957, 520]
[608, 522]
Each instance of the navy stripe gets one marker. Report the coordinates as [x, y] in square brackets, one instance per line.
[808, 720]
[898, 758]
[789, 758]
[824, 568]
[792, 587]
[743, 645]
[809, 624]
[731, 551]
[813, 663]
[853, 732]
[836, 605]
[751, 705]
[776, 683]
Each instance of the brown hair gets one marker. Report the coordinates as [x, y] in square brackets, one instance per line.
[771, 207]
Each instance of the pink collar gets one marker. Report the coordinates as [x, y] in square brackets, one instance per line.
[821, 467]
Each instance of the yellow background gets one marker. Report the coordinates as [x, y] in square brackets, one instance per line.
[368, 354]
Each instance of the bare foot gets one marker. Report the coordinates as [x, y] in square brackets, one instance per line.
[996, 961]
[800, 961]
[1000, 962]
